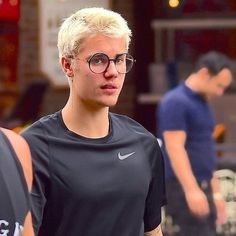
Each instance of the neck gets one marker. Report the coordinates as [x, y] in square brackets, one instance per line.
[86, 122]
[193, 83]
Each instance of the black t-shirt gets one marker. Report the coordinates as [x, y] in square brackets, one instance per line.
[14, 196]
[106, 186]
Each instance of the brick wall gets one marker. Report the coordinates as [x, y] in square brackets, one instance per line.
[29, 41]
[29, 58]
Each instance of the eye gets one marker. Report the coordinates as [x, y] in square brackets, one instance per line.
[120, 59]
[99, 60]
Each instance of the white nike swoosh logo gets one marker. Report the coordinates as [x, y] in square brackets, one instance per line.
[122, 157]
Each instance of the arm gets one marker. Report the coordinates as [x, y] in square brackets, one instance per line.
[175, 146]
[156, 232]
[39, 152]
[219, 201]
[28, 227]
[156, 197]
[22, 151]
[215, 186]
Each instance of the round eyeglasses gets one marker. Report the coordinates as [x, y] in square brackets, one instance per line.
[99, 63]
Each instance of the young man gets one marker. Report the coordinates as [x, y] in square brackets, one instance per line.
[186, 125]
[96, 173]
[15, 182]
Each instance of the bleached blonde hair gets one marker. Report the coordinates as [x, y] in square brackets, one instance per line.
[87, 22]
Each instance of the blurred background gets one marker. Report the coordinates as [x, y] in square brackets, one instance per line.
[168, 35]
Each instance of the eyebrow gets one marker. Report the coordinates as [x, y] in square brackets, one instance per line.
[117, 55]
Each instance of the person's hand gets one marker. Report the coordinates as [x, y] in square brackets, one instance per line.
[197, 203]
[220, 208]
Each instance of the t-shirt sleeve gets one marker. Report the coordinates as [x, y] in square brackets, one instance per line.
[172, 115]
[39, 150]
[157, 195]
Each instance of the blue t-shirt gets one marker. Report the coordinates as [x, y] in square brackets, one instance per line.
[183, 109]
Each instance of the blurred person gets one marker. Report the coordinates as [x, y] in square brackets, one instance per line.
[15, 182]
[186, 125]
[96, 172]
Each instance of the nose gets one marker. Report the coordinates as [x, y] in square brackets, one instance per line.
[111, 70]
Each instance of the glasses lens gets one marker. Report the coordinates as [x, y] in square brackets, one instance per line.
[98, 63]
[124, 63]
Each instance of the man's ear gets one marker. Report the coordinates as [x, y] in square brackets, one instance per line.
[204, 73]
[66, 65]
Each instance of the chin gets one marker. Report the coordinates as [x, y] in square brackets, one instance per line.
[110, 101]
[112, 104]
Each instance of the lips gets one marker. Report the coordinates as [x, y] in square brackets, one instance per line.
[109, 88]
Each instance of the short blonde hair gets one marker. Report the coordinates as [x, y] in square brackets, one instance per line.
[87, 22]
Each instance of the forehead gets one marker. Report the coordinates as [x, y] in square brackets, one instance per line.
[102, 43]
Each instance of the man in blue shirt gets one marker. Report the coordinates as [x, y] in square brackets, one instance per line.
[186, 126]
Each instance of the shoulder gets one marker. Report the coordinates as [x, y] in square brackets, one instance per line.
[128, 127]
[39, 127]
[132, 132]
[175, 99]
[22, 151]
[128, 123]
[175, 95]
[13, 137]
